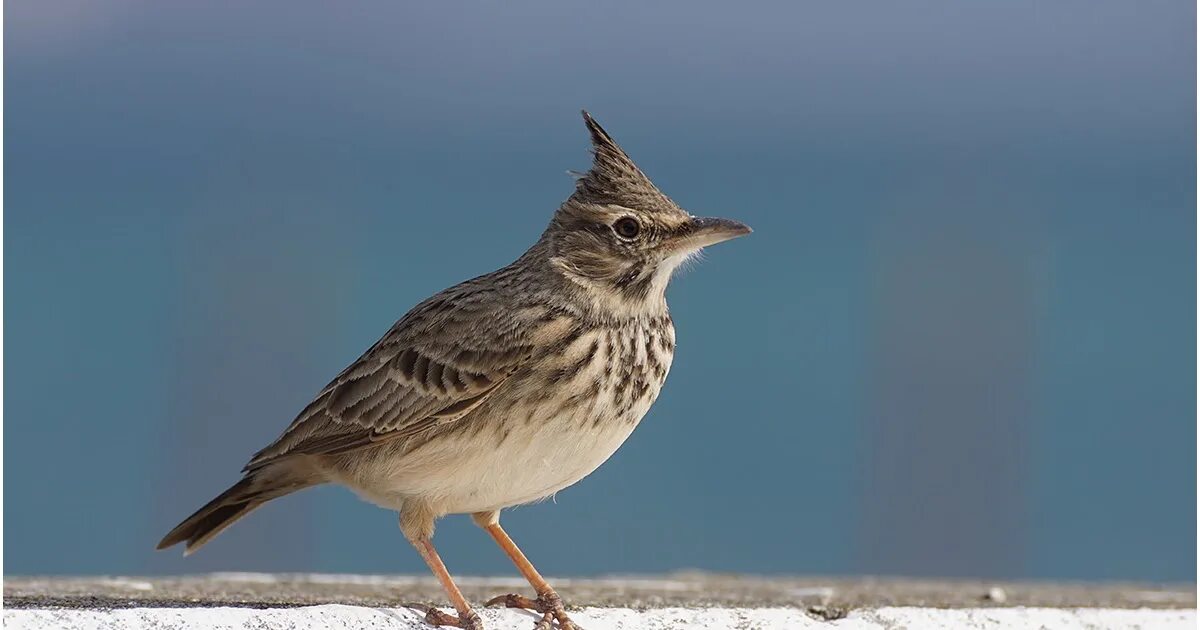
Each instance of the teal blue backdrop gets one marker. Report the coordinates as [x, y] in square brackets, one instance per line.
[960, 342]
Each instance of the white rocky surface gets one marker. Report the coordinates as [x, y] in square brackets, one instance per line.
[336, 617]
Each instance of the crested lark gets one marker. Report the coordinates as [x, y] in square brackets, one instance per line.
[501, 390]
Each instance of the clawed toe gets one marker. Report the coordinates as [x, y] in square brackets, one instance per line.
[512, 600]
[437, 618]
[550, 606]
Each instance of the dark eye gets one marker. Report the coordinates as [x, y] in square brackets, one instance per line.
[627, 227]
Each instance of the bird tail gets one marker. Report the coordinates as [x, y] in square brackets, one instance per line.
[255, 488]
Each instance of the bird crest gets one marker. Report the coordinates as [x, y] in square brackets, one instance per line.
[614, 178]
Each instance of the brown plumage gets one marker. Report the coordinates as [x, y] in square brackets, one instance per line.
[503, 389]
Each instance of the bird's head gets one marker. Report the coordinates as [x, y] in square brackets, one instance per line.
[618, 235]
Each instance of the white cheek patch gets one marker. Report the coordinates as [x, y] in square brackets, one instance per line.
[666, 268]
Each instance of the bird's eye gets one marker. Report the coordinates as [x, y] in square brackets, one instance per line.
[627, 227]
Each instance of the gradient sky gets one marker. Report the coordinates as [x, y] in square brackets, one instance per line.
[961, 340]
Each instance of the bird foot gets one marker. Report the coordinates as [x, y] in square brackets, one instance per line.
[435, 617]
[549, 605]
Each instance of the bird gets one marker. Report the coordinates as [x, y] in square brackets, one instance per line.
[501, 390]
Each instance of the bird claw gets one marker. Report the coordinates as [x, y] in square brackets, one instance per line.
[436, 617]
[550, 605]
[512, 600]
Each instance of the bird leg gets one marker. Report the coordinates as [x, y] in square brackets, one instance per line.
[548, 603]
[467, 618]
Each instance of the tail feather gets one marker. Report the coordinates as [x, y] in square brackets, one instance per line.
[255, 489]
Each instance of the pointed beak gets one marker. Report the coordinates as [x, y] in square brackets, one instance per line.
[702, 232]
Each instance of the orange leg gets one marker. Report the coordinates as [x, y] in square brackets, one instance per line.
[548, 602]
[467, 618]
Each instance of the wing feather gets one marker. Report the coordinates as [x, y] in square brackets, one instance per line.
[418, 376]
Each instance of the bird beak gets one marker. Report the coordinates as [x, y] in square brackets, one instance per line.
[702, 232]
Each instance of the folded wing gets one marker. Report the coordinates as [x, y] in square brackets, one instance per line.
[403, 386]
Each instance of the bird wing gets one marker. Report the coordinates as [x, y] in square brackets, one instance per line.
[433, 367]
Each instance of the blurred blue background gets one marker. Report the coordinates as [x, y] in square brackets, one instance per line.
[961, 341]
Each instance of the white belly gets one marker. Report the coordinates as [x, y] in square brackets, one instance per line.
[465, 472]
[527, 467]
